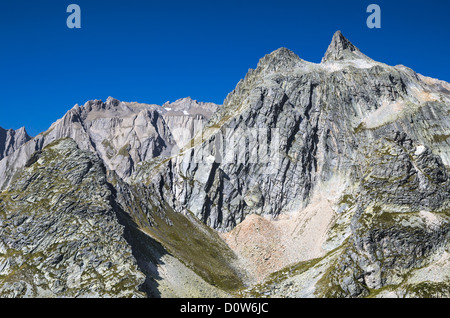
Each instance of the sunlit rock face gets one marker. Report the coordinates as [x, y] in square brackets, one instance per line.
[11, 140]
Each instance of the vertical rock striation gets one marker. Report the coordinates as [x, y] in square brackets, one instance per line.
[11, 140]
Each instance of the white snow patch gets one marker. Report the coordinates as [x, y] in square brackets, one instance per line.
[419, 150]
[339, 65]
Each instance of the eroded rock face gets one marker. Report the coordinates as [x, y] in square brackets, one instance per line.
[389, 236]
[381, 131]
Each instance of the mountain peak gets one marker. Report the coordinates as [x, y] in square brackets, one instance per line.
[112, 101]
[282, 51]
[340, 48]
[22, 133]
[281, 57]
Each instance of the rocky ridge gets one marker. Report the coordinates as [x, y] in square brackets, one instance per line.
[59, 234]
[121, 133]
[69, 228]
[11, 140]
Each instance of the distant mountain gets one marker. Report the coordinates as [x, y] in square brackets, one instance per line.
[122, 134]
[311, 180]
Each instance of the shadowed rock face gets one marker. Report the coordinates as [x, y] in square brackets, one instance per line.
[349, 155]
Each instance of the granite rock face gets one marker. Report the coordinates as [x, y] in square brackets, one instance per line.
[349, 155]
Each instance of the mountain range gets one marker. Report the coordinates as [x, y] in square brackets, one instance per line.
[322, 180]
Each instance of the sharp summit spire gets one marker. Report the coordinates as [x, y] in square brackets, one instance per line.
[340, 48]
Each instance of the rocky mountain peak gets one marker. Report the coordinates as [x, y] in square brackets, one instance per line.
[279, 59]
[112, 101]
[99, 105]
[283, 52]
[340, 48]
[184, 103]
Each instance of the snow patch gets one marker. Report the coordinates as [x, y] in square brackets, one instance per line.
[339, 65]
[419, 150]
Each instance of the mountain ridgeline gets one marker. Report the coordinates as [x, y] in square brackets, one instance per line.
[311, 180]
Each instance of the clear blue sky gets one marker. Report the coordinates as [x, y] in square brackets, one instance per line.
[157, 51]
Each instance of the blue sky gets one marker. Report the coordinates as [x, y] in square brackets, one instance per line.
[158, 51]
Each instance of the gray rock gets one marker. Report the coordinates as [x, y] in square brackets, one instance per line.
[121, 134]
[71, 226]
[314, 118]
[11, 140]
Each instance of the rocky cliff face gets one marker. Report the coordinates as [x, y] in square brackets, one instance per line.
[311, 180]
[390, 235]
[294, 134]
[400, 221]
[11, 140]
[59, 233]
